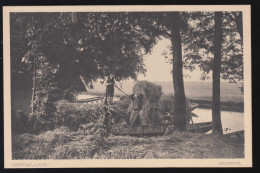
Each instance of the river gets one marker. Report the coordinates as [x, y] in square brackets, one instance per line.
[231, 121]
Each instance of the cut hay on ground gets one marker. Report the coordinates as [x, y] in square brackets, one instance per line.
[58, 144]
[65, 144]
[178, 145]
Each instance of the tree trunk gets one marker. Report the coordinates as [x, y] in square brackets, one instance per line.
[177, 74]
[84, 82]
[34, 84]
[216, 116]
[239, 23]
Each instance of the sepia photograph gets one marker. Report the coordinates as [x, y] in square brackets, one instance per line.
[114, 86]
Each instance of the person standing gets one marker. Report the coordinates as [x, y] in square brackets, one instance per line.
[110, 83]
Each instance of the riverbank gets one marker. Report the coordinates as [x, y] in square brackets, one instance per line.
[233, 106]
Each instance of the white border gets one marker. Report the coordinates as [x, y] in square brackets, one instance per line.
[245, 162]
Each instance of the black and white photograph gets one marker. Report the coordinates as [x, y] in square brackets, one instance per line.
[127, 84]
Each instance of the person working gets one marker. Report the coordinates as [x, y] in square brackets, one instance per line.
[110, 83]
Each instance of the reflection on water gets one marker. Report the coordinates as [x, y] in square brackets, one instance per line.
[234, 121]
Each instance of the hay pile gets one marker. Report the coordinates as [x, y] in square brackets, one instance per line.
[149, 114]
[151, 91]
[167, 105]
[60, 143]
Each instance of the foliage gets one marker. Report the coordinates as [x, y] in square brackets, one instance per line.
[198, 45]
[95, 120]
[20, 71]
[95, 44]
[90, 45]
[68, 45]
[87, 44]
[46, 95]
[78, 118]
[123, 102]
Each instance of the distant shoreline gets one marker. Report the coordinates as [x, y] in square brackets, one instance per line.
[225, 106]
[197, 92]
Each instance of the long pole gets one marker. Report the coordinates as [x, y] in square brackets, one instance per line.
[122, 91]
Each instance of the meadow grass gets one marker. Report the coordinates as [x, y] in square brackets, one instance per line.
[198, 92]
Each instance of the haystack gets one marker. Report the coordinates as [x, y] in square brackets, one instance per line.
[149, 112]
[151, 91]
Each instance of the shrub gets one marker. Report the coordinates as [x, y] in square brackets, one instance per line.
[69, 94]
[75, 118]
[19, 121]
[123, 103]
[46, 93]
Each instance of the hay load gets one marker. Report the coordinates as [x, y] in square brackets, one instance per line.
[144, 108]
[167, 106]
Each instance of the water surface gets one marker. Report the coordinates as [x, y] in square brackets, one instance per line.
[234, 121]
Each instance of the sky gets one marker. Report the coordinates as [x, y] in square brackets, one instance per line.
[158, 70]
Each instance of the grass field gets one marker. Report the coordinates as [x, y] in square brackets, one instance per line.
[198, 92]
[194, 90]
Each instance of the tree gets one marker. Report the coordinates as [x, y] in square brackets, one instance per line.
[170, 25]
[180, 101]
[218, 36]
[213, 43]
[90, 45]
[20, 73]
[198, 44]
[236, 17]
[93, 42]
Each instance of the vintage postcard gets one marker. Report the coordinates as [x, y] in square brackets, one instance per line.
[127, 86]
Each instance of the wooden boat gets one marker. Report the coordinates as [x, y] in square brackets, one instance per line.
[93, 99]
[159, 129]
[199, 127]
[140, 130]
